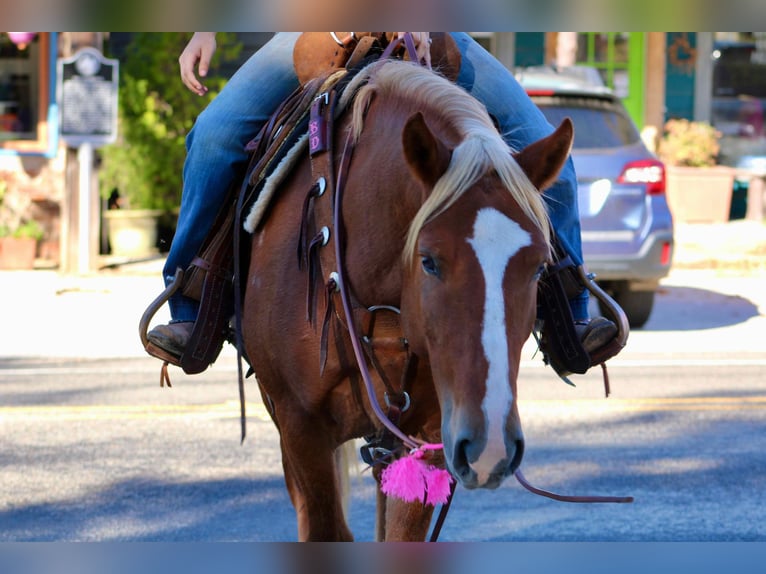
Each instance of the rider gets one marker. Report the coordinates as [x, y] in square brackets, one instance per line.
[216, 151]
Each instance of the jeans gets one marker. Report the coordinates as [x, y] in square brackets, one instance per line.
[216, 146]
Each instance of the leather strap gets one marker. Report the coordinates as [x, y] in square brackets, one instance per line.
[443, 514]
[560, 344]
[363, 48]
[215, 310]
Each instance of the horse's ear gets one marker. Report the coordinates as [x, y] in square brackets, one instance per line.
[427, 157]
[542, 161]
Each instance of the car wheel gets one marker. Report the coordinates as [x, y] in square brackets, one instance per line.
[636, 304]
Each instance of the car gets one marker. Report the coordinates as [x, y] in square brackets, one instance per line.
[627, 227]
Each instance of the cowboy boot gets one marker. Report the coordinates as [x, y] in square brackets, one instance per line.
[173, 337]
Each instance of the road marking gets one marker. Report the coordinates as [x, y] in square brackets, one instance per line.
[228, 409]
[140, 369]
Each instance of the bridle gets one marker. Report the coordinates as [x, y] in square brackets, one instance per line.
[338, 283]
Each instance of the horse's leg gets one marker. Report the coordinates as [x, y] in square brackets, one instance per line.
[293, 489]
[309, 463]
[407, 521]
[399, 521]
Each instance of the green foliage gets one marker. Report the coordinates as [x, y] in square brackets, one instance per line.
[30, 229]
[13, 219]
[156, 111]
[691, 144]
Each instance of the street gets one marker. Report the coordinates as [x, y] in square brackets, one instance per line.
[94, 450]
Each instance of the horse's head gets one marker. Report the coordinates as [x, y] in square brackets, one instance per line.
[469, 295]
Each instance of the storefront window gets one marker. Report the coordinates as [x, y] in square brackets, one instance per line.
[739, 95]
[24, 81]
[608, 53]
[618, 57]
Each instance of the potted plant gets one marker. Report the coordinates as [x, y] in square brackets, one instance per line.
[143, 169]
[19, 233]
[697, 188]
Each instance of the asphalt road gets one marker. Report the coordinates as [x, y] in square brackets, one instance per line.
[94, 450]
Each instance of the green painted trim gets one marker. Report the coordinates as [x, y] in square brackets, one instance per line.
[634, 103]
[635, 66]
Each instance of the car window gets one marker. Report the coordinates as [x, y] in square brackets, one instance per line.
[598, 123]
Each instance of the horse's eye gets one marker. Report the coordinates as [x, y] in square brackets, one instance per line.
[429, 265]
[540, 271]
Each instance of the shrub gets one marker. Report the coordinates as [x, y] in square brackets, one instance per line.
[156, 111]
[13, 219]
[687, 143]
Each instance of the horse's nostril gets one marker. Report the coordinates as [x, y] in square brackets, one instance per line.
[460, 459]
[517, 456]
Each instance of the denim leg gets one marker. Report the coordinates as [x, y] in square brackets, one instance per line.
[522, 123]
[216, 151]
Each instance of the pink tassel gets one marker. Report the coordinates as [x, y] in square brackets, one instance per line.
[438, 482]
[410, 478]
[404, 478]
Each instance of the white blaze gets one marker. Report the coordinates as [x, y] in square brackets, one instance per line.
[496, 238]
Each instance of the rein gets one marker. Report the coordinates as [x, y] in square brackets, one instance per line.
[356, 341]
[566, 498]
[342, 288]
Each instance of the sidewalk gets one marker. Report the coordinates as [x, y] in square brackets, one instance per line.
[735, 246]
[47, 314]
[44, 313]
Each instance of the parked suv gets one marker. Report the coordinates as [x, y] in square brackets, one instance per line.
[627, 229]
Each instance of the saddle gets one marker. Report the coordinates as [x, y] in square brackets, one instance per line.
[318, 53]
[210, 279]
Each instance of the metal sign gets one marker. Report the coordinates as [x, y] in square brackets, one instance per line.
[87, 98]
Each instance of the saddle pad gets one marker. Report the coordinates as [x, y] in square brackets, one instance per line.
[290, 150]
[271, 184]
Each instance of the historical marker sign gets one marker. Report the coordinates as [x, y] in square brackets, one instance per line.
[87, 98]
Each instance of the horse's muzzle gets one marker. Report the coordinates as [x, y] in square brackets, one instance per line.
[471, 475]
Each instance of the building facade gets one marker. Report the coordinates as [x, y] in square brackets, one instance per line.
[704, 76]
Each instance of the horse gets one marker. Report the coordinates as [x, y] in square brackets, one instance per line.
[443, 236]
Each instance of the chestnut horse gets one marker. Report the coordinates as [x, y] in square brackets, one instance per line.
[444, 227]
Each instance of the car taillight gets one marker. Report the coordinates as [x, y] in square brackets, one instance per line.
[540, 92]
[665, 254]
[648, 171]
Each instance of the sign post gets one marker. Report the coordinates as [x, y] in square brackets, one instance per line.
[87, 98]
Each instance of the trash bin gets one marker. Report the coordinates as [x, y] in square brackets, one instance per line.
[738, 208]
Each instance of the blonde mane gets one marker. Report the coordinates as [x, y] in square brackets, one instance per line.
[481, 148]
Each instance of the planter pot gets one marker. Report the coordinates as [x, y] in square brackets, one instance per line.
[17, 252]
[132, 232]
[699, 194]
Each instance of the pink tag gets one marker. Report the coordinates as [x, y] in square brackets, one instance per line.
[317, 128]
